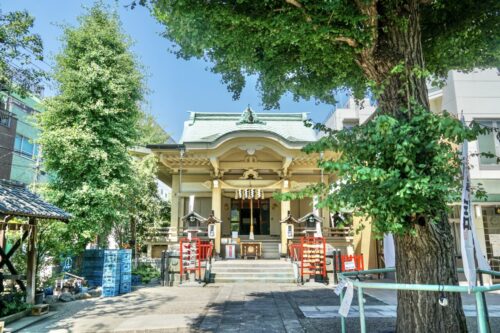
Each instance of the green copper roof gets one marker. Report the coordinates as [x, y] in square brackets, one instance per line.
[209, 127]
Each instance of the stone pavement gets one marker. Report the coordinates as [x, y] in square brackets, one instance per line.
[254, 307]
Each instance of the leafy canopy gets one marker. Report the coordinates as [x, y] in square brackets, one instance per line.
[401, 166]
[395, 171]
[19, 47]
[310, 48]
[89, 126]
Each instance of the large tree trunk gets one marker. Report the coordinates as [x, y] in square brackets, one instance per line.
[428, 257]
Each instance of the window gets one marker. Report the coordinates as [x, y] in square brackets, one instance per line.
[5, 118]
[23, 146]
[348, 124]
[489, 143]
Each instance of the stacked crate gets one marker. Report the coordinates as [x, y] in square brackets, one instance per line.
[93, 261]
[125, 258]
[111, 273]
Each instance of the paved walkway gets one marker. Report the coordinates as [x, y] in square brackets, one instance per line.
[222, 308]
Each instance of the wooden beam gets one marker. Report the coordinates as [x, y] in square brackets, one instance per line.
[31, 263]
[251, 165]
[13, 249]
[5, 260]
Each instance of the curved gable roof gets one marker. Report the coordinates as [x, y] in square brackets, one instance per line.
[209, 127]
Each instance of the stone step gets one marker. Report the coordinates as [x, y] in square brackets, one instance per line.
[251, 262]
[246, 275]
[248, 271]
[251, 269]
[254, 280]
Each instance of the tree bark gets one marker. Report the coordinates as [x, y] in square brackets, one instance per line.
[428, 257]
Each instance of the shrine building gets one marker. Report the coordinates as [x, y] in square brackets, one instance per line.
[232, 164]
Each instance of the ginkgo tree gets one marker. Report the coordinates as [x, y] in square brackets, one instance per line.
[391, 47]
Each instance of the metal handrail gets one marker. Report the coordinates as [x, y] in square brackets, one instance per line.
[482, 322]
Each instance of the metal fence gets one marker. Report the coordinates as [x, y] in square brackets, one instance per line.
[482, 315]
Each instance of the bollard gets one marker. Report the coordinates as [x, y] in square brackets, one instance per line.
[361, 306]
[481, 314]
[342, 319]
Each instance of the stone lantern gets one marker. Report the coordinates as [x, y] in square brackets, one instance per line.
[311, 223]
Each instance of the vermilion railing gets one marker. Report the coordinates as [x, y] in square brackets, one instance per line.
[295, 252]
[192, 253]
[313, 261]
[206, 250]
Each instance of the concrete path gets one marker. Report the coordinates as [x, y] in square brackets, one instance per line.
[254, 307]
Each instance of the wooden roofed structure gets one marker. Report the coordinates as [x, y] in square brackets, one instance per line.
[17, 201]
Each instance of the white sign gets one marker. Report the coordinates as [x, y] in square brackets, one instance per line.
[339, 287]
[230, 251]
[495, 244]
[349, 266]
[211, 231]
[495, 238]
[346, 302]
[289, 231]
[495, 247]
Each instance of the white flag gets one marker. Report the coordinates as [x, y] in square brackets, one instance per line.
[318, 232]
[191, 203]
[471, 250]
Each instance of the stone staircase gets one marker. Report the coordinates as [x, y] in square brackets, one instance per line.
[247, 271]
[270, 249]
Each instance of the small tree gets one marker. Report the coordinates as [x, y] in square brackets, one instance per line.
[310, 48]
[89, 126]
[150, 131]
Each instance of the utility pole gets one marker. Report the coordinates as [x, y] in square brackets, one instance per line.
[36, 176]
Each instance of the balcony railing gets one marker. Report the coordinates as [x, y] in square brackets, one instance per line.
[172, 234]
[5, 118]
[328, 232]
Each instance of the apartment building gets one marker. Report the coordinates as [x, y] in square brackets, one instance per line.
[17, 139]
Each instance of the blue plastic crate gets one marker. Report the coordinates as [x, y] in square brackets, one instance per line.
[136, 280]
[93, 253]
[126, 267]
[111, 267]
[110, 291]
[126, 278]
[125, 288]
[94, 282]
[108, 281]
[110, 271]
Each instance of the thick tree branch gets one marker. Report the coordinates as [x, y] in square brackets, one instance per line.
[297, 4]
[370, 9]
[349, 41]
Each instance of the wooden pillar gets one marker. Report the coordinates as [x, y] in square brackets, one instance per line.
[2, 231]
[325, 212]
[217, 209]
[174, 203]
[285, 208]
[31, 263]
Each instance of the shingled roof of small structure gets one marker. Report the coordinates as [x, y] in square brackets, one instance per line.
[17, 200]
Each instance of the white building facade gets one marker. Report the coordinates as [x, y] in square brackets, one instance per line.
[477, 96]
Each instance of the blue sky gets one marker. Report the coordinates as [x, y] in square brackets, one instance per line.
[176, 86]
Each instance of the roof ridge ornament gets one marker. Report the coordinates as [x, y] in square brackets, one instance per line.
[249, 117]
